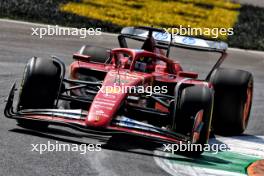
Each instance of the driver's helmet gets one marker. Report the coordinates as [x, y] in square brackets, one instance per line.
[145, 64]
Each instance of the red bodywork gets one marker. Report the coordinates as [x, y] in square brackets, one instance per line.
[105, 105]
[119, 73]
[115, 111]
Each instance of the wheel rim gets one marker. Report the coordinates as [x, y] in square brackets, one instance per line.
[198, 121]
[247, 105]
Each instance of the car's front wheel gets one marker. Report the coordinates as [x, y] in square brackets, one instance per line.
[39, 88]
[195, 99]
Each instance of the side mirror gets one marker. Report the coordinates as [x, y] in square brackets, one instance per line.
[81, 57]
[188, 74]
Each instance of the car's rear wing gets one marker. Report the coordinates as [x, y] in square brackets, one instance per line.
[165, 39]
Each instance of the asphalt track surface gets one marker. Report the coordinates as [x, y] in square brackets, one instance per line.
[259, 3]
[121, 155]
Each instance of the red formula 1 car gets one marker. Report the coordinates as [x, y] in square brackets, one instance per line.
[136, 91]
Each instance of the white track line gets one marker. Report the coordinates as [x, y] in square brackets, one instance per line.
[244, 50]
[244, 145]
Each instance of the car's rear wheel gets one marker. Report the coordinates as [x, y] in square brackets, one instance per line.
[39, 88]
[192, 100]
[233, 100]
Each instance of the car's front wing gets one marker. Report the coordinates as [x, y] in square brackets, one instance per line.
[76, 119]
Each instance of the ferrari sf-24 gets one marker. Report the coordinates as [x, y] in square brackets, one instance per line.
[188, 111]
